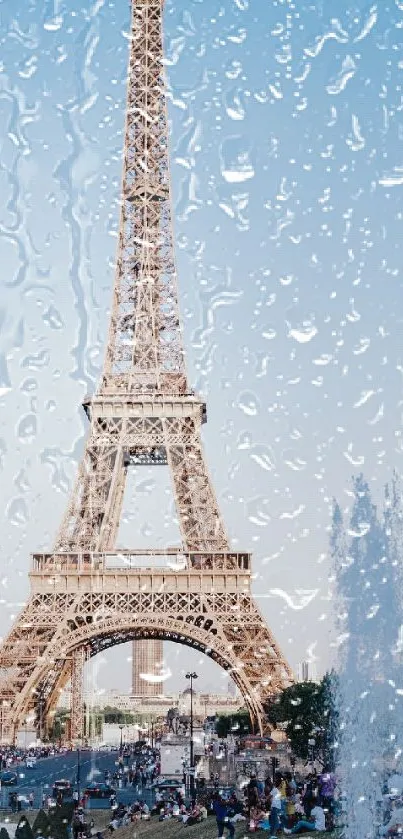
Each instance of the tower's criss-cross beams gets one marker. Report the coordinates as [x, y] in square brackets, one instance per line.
[86, 595]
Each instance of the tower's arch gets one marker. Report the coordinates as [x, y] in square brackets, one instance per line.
[199, 634]
[91, 601]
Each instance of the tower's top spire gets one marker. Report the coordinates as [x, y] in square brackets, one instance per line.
[145, 349]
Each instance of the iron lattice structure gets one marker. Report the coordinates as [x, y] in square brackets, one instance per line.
[85, 594]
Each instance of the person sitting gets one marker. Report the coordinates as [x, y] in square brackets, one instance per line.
[194, 816]
[257, 815]
[298, 805]
[184, 814]
[165, 813]
[394, 826]
[316, 821]
[145, 810]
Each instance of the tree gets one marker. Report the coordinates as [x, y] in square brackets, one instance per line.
[238, 724]
[59, 725]
[41, 825]
[115, 715]
[24, 830]
[307, 714]
[60, 819]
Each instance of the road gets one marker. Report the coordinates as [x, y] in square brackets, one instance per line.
[93, 765]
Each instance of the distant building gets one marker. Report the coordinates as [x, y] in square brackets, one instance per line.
[204, 704]
[147, 660]
[307, 671]
[232, 690]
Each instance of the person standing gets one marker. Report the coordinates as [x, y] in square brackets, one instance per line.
[221, 813]
[275, 807]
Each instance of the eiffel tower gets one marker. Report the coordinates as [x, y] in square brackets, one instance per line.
[86, 595]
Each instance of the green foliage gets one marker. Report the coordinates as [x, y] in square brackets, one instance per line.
[60, 819]
[41, 825]
[24, 830]
[115, 715]
[238, 724]
[307, 711]
[59, 726]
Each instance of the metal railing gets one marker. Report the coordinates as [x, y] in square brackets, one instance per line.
[169, 561]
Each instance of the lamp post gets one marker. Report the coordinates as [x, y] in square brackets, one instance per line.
[191, 676]
[121, 739]
[78, 776]
[311, 749]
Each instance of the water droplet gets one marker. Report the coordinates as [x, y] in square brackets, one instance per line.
[244, 440]
[236, 166]
[304, 334]
[52, 318]
[248, 403]
[36, 362]
[145, 487]
[269, 333]
[27, 428]
[348, 69]
[297, 601]
[17, 512]
[53, 24]
[258, 511]
[28, 385]
[264, 457]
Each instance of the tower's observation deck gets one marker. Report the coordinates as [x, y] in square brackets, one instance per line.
[137, 571]
[178, 564]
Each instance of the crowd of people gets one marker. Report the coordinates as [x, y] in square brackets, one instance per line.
[290, 805]
[11, 756]
[139, 774]
[285, 805]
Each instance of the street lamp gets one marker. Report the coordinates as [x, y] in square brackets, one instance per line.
[121, 738]
[191, 676]
[311, 749]
[78, 776]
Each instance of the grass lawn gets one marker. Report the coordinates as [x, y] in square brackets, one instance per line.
[169, 829]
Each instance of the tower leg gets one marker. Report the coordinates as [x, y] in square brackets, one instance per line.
[77, 696]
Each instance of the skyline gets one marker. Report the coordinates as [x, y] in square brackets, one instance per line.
[286, 185]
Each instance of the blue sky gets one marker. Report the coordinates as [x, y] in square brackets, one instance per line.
[287, 170]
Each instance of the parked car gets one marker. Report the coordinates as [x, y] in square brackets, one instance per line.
[170, 786]
[99, 790]
[8, 779]
[62, 787]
